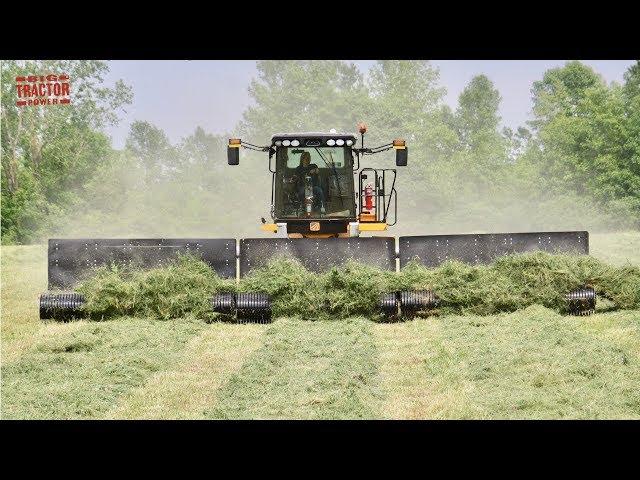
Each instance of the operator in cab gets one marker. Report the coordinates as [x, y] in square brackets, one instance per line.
[305, 169]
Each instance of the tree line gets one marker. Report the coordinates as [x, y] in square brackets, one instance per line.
[575, 165]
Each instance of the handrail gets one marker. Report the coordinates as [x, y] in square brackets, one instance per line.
[379, 183]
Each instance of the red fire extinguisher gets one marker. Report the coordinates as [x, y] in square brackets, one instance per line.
[368, 197]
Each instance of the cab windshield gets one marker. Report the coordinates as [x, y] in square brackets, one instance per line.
[314, 182]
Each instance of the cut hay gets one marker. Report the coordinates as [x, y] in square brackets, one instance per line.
[339, 293]
[513, 282]
[518, 281]
[183, 288]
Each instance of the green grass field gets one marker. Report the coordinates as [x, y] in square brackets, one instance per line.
[533, 363]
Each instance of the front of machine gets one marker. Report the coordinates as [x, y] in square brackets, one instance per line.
[313, 184]
[318, 189]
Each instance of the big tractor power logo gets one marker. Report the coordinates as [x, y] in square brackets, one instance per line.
[35, 90]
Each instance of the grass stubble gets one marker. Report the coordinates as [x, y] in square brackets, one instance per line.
[81, 374]
[305, 370]
[188, 388]
[529, 364]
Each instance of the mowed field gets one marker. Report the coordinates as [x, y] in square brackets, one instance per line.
[533, 363]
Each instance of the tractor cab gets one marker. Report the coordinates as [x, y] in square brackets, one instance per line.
[318, 188]
[313, 178]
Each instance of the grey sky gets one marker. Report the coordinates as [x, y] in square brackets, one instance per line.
[177, 96]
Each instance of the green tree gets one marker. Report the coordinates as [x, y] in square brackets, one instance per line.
[631, 147]
[49, 152]
[302, 96]
[477, 118]
[407, 102]
[585, 131]
[632, 81]
[517, 142]
[477, 165]
[153, 151]
[203, 148]
[561, 91]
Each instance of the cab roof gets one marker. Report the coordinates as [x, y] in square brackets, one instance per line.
[279, 136]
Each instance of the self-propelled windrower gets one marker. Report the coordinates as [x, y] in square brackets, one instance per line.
[322, 200]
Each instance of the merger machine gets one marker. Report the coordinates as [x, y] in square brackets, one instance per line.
[322, 201]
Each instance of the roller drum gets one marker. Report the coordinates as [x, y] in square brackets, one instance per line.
[581, 301]
[224, 303]
[253, 306]
[415, 301]
[389, 304]
[61, 306]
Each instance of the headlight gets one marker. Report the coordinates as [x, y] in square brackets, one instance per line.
[286, 143]
[295, 143]
[349, 143]
[331, 142]
[340, 142]
[278, 143]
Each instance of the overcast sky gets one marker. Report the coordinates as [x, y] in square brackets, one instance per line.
[177, 96]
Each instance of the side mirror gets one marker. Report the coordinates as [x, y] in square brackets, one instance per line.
[233, 155]
[401, 157]
[233, 151]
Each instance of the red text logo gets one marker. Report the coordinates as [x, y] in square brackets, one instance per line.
[51, 89]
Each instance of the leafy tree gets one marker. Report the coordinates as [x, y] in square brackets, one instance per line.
[476, 163]
[517, 142]
[399, 99]
[49, 152]
[584, 136]
[561, 91]
[477, 116]
[631, 147]
[632, 81]
[151, 147]
[407, 102]
[202, 148]
[302, 96]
